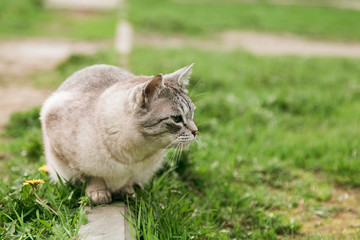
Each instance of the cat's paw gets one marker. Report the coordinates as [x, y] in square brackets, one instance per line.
[129, 189]
[140, 185]
[101, 196]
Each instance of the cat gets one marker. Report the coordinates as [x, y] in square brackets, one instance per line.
[112, 128]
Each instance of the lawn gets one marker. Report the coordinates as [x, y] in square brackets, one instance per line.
[31, 19]
[278, 136]
[273, 132]
[22, 215]
[199, 18]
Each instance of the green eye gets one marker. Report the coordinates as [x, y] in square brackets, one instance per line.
[177, 119]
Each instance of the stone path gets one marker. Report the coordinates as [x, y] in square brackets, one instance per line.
[255, 42]
[84, 5]
[107, 223]
[346, 4]
[26, 56]
[19, 58]
[123, 41]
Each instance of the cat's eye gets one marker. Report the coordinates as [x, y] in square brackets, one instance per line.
[177, 119]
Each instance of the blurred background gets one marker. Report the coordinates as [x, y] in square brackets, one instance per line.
[277, 89]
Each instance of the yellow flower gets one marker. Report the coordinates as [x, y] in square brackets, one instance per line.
[34, 182]
[44, 168]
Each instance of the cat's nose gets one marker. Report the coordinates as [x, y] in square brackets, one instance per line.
[194, 133]
[192, 127]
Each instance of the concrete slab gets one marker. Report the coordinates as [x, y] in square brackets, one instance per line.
[123, 37]
[84, 4]
[107, 223]
[255, 42]
[274, 44]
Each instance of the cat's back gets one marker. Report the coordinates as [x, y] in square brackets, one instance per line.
[73, 102]
[94, 79]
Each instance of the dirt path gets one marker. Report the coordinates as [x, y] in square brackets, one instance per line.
[257, 43]
[19, 99]
[84, 5]
[346, 4]
[20, 58]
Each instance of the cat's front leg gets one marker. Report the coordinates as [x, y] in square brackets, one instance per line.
[97, 190]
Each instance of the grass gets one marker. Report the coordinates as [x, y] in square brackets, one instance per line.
[274, 131]
[22, 215]
[278, 138]
[276, 104]
[29, 18]
[194, 18]
[278, 135]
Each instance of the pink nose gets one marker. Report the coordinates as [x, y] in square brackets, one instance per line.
[194, 133]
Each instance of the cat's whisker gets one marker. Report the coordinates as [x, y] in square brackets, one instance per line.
[180, 152]
[170, 145]
[172, 153]
[200, 143]
[200, 124]
[194, 88]
[172, 157]
[177, 153]
[201, 94]
[197, 103]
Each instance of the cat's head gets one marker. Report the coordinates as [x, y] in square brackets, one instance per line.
[167, 112]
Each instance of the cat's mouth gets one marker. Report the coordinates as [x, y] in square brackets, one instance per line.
[181, 145]
[185, 139]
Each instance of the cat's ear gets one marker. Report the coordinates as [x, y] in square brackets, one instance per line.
[181, 76]
[153, 87]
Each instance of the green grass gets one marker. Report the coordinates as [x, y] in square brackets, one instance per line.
[82, 26]
[268, 125]
[18, 15]
[273, 132]
[19, 18]
[286, 124]
[276, 105]
[278, 135]
[22, 216]
[196, 18]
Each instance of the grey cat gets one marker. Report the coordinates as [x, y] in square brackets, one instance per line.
[111, 127]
